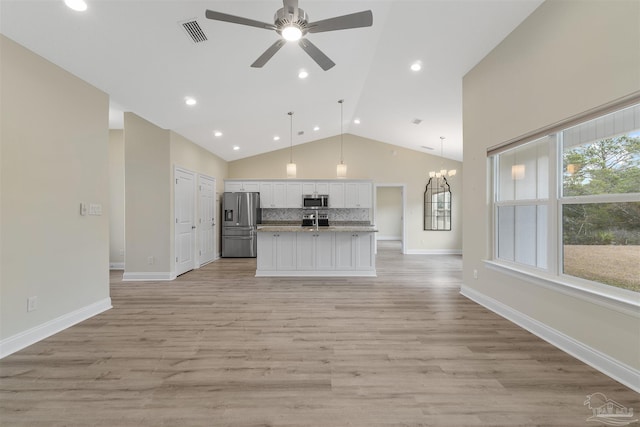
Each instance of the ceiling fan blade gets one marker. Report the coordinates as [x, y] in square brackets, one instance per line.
[219, 16]
[266, 56]
[316, 54]
[344, 22]
[291, 6]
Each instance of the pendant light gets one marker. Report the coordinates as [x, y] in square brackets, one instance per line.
[341, 170]
[291, 167]
[442, 173]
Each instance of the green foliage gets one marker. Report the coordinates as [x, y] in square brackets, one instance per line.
[608, 166]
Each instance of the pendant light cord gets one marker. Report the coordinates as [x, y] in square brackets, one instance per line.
[291, 136]
[341, 101]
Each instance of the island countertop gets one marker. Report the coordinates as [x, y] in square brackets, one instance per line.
[332, 228]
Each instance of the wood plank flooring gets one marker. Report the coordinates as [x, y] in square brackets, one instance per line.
[219, 347]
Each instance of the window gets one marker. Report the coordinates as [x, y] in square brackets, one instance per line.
[568, 204]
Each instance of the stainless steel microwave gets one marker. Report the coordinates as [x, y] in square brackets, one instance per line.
[315, 201]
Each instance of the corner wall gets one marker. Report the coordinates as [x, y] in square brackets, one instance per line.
[147, 199]
[116, 195]
[54, 155]
[369, 159]
[566, 58]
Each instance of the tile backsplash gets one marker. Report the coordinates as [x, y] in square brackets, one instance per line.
[295, 215]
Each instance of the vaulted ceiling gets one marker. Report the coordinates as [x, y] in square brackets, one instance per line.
[140, 54]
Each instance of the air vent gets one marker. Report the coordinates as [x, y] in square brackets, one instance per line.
[301, 132]
[192, 28]
[426, 148]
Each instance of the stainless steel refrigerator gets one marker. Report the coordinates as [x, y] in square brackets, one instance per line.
[240, 216]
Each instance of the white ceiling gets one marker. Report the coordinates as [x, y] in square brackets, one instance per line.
[138, 53]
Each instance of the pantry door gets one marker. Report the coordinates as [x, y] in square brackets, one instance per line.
[206, 219]
[185, 230]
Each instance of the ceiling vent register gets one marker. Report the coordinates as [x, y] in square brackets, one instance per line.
[194, 31]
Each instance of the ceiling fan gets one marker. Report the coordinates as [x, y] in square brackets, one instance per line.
[292, 23]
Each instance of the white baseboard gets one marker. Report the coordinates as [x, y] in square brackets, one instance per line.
[433, 251]
[148, 276]
[316, 273]
[116, 266]
[31, 336]
[387, 237]
[609, 366]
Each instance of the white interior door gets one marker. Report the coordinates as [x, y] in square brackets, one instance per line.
[185, 233]
[206, 220]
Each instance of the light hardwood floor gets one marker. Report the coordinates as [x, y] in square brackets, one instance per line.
[218, 347]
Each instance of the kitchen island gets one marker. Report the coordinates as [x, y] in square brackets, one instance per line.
[335, 251]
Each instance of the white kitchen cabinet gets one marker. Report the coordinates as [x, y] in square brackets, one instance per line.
[315, 251]
[277, 251]
[357, 194]
[294, 195]
[315, 188]
[336, 195]
[272, 194]
[242, 186]
[355, 251]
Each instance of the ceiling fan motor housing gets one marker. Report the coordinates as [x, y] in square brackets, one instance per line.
[282, 19]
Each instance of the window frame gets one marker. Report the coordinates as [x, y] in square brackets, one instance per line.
[552, 276]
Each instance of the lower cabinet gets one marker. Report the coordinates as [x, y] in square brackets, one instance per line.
[315, 251]
[277, 251]
[316, 254]
[355, 251]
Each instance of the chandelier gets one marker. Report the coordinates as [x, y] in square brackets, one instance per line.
[442, 173]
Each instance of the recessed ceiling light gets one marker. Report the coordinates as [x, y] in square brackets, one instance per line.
[78, 5]
[190, 101]
[356, 121]
[236, 148]
[416, 66]
[316, 128]
[416, 121]
[276, 138]
[217, 133]
[303, 74]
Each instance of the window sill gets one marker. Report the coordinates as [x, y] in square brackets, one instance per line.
[621, 300]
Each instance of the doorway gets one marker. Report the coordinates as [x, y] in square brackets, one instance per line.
[389, 215]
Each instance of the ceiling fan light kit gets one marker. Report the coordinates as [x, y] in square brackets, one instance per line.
[292, 24]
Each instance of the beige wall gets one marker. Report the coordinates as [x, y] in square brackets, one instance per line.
[368, 159]
[54, 143]
[116, 196]
[566, 58]
[389, 212]
[147, 197]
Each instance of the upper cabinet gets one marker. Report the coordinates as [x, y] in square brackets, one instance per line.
[315, 187]
[336, 195]
[357, 194]
[287, 194]
[273, 194]
[294, 195]
[242, 186]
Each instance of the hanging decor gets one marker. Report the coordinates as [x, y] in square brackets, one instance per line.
[291, 167]
[437, 198]
[341, 169]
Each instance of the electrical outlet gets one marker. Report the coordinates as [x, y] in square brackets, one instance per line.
[151, 260]
[32, 303]
[121, 252]
[475, 274]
